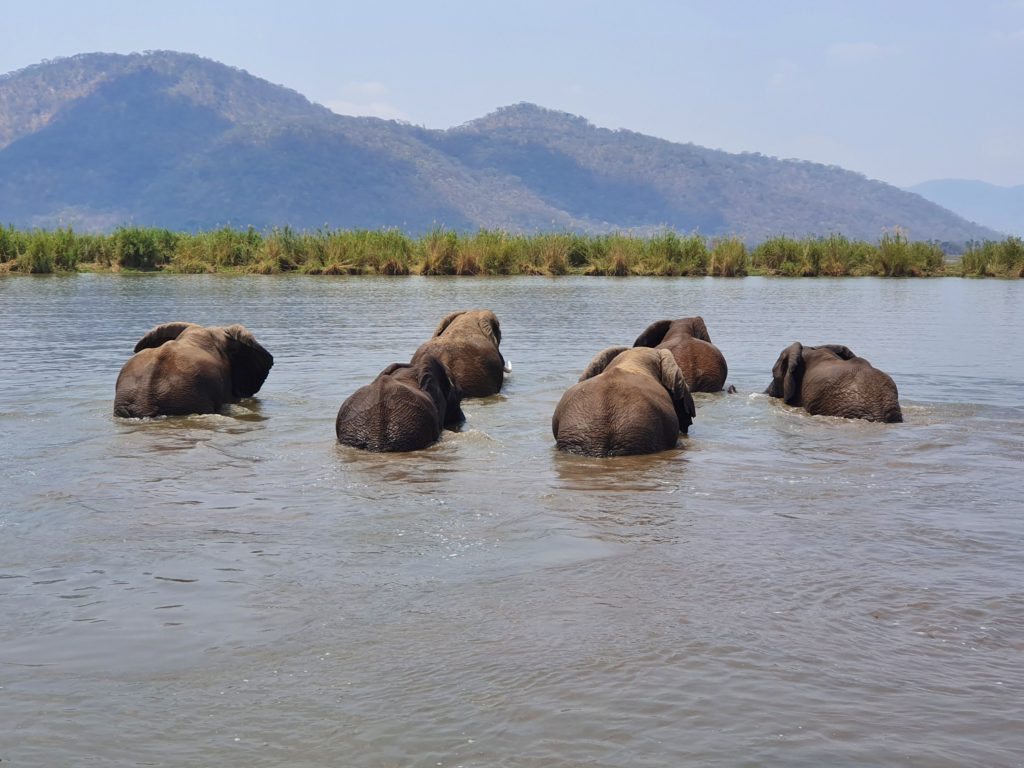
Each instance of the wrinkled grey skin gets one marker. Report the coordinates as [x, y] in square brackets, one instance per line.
[467, 344]
[831, 380]
[627, 401]
[403, 409]
[701, 362]
[183, 368]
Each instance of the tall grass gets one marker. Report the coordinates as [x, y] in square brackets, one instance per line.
[836, 256]
[728, 258]
[490, 252]
[994, 259]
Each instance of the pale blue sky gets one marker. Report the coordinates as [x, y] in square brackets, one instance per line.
[902, 91]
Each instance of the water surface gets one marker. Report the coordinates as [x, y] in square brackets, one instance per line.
[780, 589]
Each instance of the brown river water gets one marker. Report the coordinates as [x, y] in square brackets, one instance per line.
[781, 589]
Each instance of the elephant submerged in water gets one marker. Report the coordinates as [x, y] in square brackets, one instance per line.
[467, 344]
[702, 363]
[831, 380]
[627, 401]
[184, 368]
[404, 409]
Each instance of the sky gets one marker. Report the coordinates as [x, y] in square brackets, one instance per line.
[900, 90]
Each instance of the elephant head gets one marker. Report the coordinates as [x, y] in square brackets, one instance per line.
[830, 380]
[655, 333]
[470, 322]
[702, 363]
[182, 368]
[467, 343]
[627, 401]
[404, 409]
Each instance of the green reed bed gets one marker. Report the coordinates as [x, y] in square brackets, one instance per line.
[836, 256]
[994, 259]
[491, 252]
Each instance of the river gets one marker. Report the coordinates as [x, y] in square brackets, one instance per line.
[781, 589]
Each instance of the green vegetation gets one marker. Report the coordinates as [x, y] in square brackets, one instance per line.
[836, 256]
[994, 259]
[490, 252]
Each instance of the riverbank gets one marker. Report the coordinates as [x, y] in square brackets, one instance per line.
[491, 252]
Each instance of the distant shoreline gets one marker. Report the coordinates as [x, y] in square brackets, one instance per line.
[490, 253]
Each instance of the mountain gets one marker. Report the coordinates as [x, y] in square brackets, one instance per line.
[174, 140]
[1001, 208]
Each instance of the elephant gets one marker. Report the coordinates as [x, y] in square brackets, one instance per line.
[467, 343]
[702, 363]
[403, 409]
[184, 368]
[831, 380]
[627, 401]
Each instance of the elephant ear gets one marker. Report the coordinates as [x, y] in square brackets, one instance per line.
[789, 371]
[436, 380]
[844, 353]
[699, 330]
[445, 322]
[672, 379]
[162, 334]
[453, 415]
[653, 334]
[250, 362]
[492, 328]
[600, 362]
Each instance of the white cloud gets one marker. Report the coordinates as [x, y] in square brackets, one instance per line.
[367, 98]
[366, 109]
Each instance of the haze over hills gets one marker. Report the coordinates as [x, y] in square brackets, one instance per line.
[173, 140]
[1001, 208]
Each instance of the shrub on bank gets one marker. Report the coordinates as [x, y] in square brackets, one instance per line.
[994, 259]
[440, 248]
[669, 254]
[770, 256]
[552, 254]
[37, 256]
[728, 258]
[144, 249]
[837, 256]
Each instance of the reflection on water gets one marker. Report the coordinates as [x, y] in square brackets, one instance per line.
[626, 474]
[238, 589]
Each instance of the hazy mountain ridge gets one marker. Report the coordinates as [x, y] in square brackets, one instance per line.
[1001, 208]
[174, 140]
[709, 190]
[31, 97]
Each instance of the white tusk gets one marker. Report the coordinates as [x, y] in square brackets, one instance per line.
[508, 366]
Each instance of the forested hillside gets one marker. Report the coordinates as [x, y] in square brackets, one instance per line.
[173, 140]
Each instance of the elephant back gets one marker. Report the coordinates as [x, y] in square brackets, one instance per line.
[852, 389]
[610, 415]
[388, 415]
